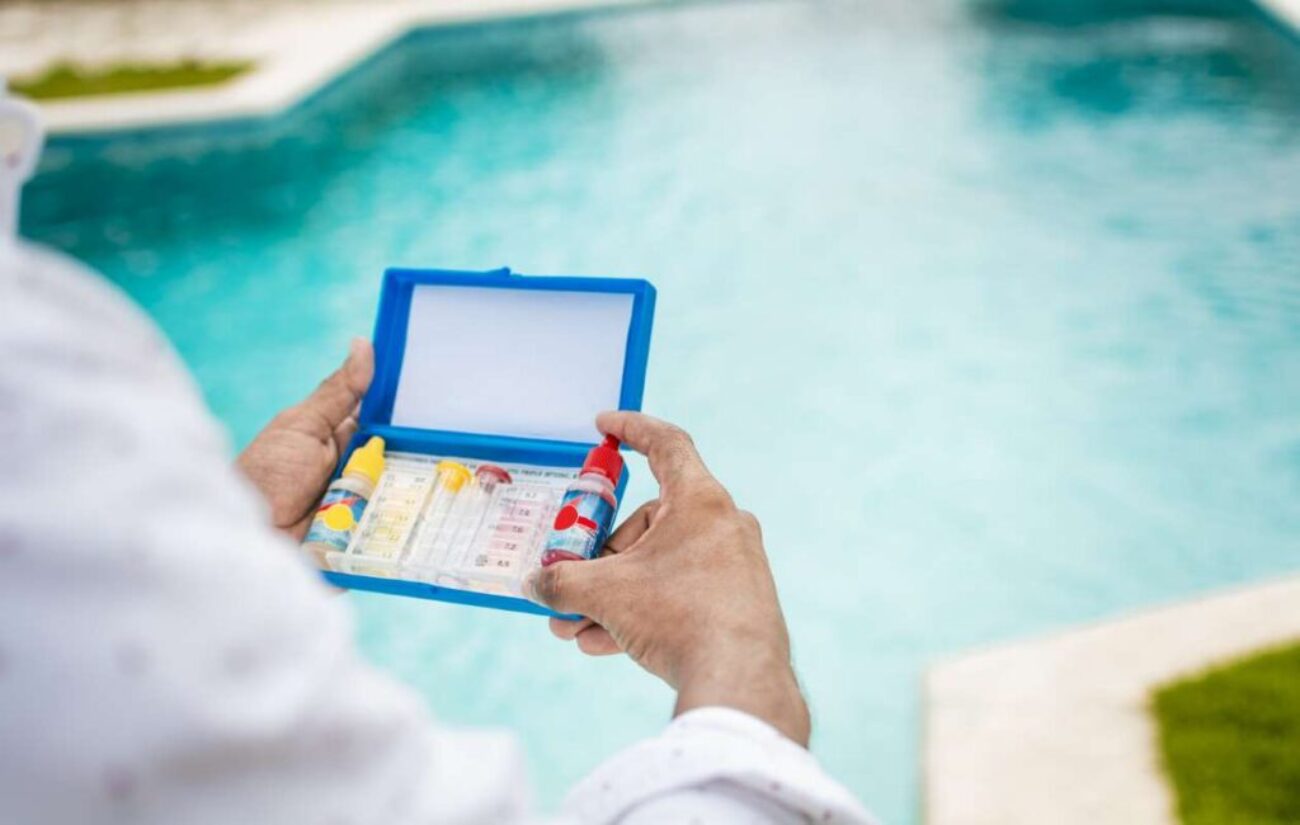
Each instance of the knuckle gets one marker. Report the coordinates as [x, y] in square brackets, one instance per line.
[551, 583]
[669, 440]
[674, 443]
[737, 532]
[750, 522]
[714, 499]
[676, 435]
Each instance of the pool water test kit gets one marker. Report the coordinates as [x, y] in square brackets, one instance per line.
[457, 523]
[477, 459]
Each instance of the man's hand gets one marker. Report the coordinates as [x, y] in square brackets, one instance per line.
[291, 461]
[684, 588]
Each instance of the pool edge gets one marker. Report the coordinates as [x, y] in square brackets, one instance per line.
[344, 43]
[1056, 729]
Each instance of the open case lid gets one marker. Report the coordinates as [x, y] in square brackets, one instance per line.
[496, 356]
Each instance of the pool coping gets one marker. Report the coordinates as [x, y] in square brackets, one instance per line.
[1284, 14]
[316, 53]
[1057, 729]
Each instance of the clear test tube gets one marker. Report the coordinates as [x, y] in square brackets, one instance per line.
[474, 512]
[447, 484]
[511, 540]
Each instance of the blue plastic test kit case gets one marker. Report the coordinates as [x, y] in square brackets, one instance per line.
[499, 367]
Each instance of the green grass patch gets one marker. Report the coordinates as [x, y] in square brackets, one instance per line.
[65, 80]
[1230, 739]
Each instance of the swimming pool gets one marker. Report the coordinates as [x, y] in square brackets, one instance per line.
[990, 312]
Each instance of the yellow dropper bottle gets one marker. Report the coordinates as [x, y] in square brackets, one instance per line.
[345, 500]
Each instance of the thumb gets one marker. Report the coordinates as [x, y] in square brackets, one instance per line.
[338, 395]
[572, 586]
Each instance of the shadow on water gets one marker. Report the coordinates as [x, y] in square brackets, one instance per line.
[1138, 56]
[1074, 13]
[1163, 118]
[164, 185]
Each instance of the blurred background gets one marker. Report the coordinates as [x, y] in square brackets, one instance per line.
[989, 309]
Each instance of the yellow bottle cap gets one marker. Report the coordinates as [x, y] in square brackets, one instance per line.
[452, 475]
[367, 460]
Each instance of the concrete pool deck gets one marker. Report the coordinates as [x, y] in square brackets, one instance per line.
[297, 46]
[1056, 729]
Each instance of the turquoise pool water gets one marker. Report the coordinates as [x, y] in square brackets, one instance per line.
[991, 312]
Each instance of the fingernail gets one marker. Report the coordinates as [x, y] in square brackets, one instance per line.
[354, 347]
[530, 587]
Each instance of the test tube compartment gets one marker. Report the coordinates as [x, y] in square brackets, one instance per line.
[481, 535]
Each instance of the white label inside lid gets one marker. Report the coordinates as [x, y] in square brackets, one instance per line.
[520, 362]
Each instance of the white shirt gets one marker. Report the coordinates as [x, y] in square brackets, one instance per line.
[167, 657]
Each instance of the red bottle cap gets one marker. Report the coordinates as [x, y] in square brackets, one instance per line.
[605, 460]
[493, 471]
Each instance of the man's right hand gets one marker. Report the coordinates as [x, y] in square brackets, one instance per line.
[684, 588]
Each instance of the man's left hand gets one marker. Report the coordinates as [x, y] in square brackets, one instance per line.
[291, 461]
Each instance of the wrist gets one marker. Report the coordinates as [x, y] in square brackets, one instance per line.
[756, 680]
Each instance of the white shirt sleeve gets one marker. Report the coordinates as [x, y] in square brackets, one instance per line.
[166, 657]
[714, 765]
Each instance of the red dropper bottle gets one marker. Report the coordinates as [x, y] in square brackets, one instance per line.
[587, 511]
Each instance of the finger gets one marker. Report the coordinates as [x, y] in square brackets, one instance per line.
[343, 433]
[597, 641]
[632, 528]
[340, 393]
[670, 451]
[568, 629]
[573, 586]
[298, 531]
